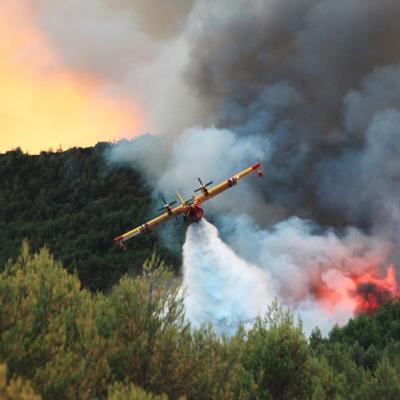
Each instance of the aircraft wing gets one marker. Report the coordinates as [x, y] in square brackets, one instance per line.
[192, 204]
[150, 224]
[207, 194]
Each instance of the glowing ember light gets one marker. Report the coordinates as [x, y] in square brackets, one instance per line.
[357, 293]
[43, 104]
[372, 291]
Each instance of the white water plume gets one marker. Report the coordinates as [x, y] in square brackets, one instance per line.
[222, 288]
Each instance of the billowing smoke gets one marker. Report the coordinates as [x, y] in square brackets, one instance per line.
[313, 76]
[137, 47]
[318, 273]
[324, 278]
[310, 88]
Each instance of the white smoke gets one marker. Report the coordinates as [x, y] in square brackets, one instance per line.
[232, 281]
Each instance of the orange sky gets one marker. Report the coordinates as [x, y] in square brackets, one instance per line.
[44, 105]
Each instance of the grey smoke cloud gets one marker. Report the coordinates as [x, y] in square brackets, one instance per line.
[317, 81]
[339, 59]
[364, 183]
[377, 91]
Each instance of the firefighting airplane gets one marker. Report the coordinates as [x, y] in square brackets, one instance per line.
[191, 210]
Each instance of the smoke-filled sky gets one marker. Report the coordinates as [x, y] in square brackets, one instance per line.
[311, 88]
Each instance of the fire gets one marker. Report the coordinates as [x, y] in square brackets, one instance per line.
[372, 291]
[359, 293]
[42, 103]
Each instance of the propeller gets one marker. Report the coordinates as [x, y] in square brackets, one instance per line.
[166, 205]
[203, 187]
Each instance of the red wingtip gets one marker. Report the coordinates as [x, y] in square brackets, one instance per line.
[257, 167]
[120, 243]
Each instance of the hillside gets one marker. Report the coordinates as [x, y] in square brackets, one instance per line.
[75, 203]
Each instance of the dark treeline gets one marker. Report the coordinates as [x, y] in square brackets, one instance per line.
[61, 341]
[75, 203]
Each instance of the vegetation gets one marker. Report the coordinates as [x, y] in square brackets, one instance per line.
[59, 340]
[15, 389]
[75, 203]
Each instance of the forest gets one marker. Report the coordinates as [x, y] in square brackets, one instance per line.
[59, 340]
[75, 203]
[81, 320]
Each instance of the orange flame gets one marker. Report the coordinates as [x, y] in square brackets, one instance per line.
[358, 293]
[42, 103]
[372, 291]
